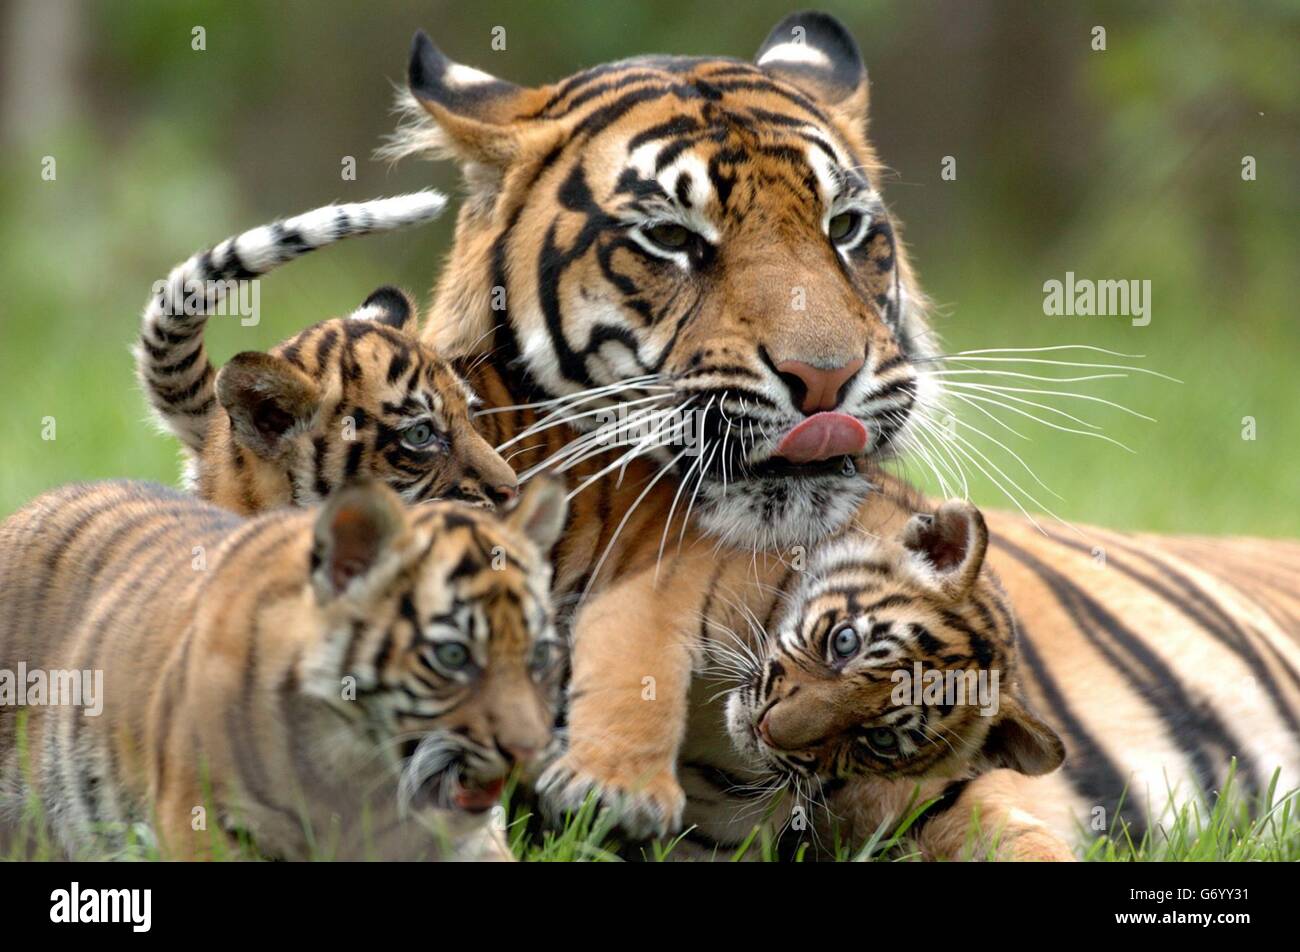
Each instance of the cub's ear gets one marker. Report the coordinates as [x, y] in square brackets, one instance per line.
[949, 547]
[540, 512]
[815, 53]
[268, 399]
[1021, 741]
[481, 118]
[357, 539]
[388, 305]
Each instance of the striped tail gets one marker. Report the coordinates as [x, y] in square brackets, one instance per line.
[171, 358]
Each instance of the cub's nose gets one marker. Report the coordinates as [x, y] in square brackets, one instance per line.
[816, 389]
[521, 754]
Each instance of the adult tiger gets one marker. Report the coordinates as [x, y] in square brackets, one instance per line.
[707, 235]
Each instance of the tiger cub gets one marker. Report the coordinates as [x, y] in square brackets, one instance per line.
[841, 688]
[356, 397]
[896, 661]
[353, 680]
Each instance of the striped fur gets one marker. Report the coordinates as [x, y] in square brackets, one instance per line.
[558, 273]
[560, 302]
[336, 681]
[171, 359]
[349, 398]
[818, 699]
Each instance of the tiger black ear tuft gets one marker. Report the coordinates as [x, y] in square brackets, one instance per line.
[816, 53]
[268, 400]
[435, 79]
[356, 528]
[388, 305]
[1021, 741]
[949, 547]
[540, 512]
[477, 118]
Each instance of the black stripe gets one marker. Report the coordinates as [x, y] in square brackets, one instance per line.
[1190, 725]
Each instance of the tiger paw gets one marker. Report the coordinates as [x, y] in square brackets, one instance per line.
[1037, 846]
[645, 803]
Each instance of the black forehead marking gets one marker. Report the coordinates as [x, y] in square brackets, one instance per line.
[677, 126]
[398, 363]
[683, 189]
[631, 182]
[926, 641]
[325, 344]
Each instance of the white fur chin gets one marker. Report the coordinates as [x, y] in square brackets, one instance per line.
[776, 513]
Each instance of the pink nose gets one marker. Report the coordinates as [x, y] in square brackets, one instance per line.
[820, 388]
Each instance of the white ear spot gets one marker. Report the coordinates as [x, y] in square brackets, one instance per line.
[370, 312]
[458, 76]
[795, 53]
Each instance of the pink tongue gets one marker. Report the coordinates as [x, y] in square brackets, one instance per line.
[822, 436]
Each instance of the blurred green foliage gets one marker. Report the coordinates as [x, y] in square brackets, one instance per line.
[1123, 163]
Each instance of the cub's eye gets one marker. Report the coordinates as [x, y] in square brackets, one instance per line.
[419, 436]
[452, 655]
[670, 236]
[542, 657]
[843, 226]
[846, 641]
[883, 740]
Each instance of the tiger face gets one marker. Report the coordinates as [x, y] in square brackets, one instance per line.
[896, 658]
[704, 232]
[350, 398]
[448, 634]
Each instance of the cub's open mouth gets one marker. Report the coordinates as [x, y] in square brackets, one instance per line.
[477, 798]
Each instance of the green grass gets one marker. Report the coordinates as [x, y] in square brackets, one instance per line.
[1232, 829]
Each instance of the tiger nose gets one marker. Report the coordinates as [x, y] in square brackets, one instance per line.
[816, 389]
[502, 494]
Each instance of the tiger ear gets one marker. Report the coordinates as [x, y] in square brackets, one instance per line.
[948, 547]
[268, 400]
[540, 512]
[356, 539]
[1021, 741]
[388, 305]
[815, 53]
[478, 117]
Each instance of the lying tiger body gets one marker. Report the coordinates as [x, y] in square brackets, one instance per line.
[703, 237]
[351, 681]
[349, 398]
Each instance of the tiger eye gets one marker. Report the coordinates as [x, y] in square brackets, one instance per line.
[452, 655]
[842, 225]
[418, 435]
[670, 235]
[846, 641]
[883, 739]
